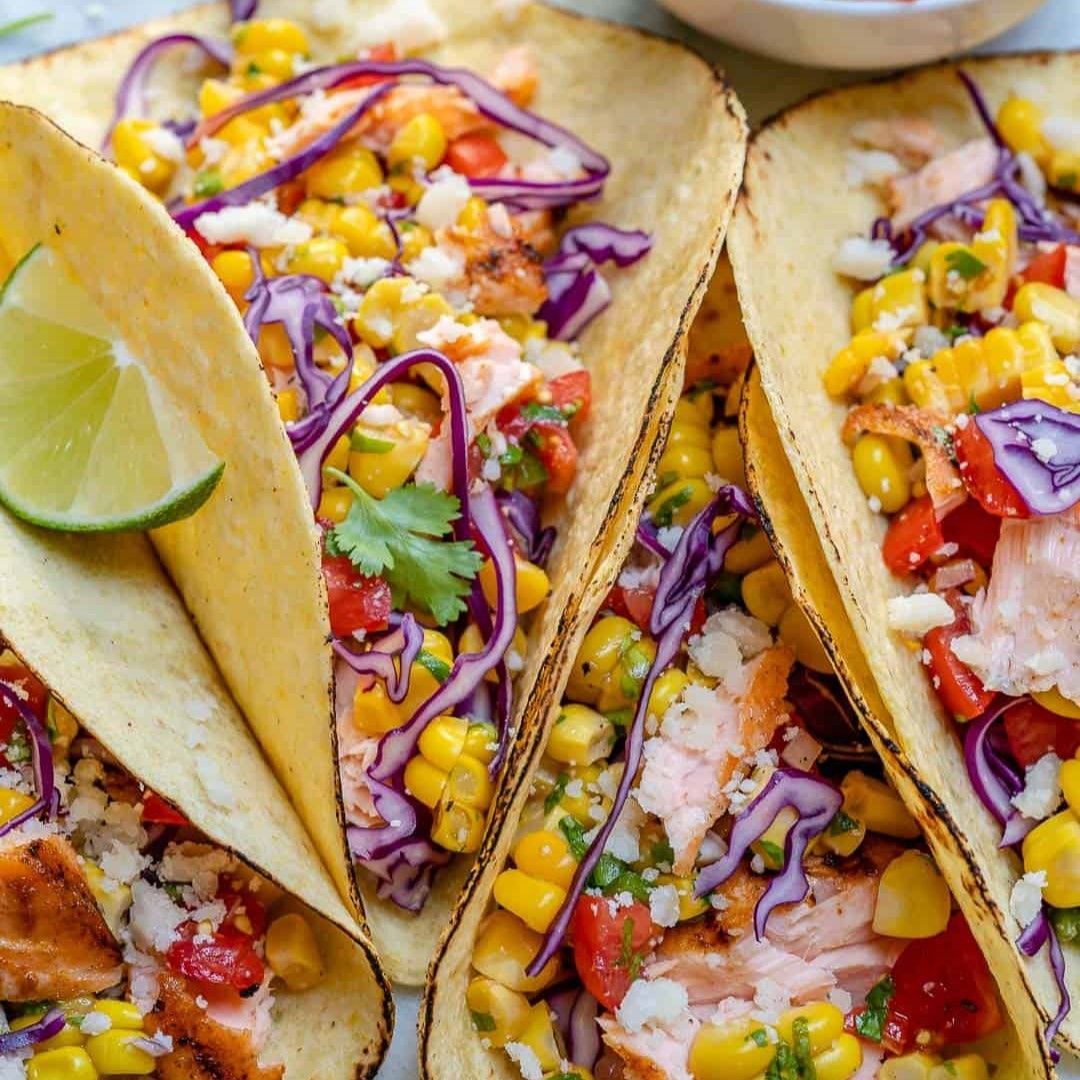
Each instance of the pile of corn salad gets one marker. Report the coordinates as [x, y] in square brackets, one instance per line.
[651, 963]
[154, 941]
[964, 430]
[399, 265]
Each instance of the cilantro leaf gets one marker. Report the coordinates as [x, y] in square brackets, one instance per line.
[482, 1021]
[967, 265]
[575, 837]
[400, 539]
[556, 793]
[870, 1023]
[207, 183]
[774, 853]
[842, 823]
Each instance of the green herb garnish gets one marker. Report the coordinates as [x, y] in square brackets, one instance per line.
[964, 263]
[368, 444]
[870, 1023]
[575, 837]
[551, 800]
[533, 410]
[759, 1036]
[665, 513]
[207, 183]
[842, 824]
[774, 853]
[439, 669]
[482, 1021]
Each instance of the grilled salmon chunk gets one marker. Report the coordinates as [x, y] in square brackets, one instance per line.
[54, 942]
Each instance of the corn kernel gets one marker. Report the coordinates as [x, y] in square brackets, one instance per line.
[913, 900]
[679, 502]
[966, 1067]
[122, 1014]
[420, 139]
[293, 952]
[67, 1063]
[417, 317]
[850, 364]
[68, 1035]
[843, 837]
[531, 584]
[505, 947]
[749, 554]
[770, 844]
[1053, 847]
[538, 1035]
[890, 392]
[424, 781]
[414, 239]
[274, 347]
[134, 154]
[580, 735]
[276, 63]
[690, 906]
[1053, 384]
[599, 655]
[457, 827]
[403, 180]
[334, 505]
[921, 259]
[731, 1051]
[321, 256]
[915, 1066]
[443, 741]
[1057, 702]
[388, 457]
[113, 898]
[666, 690]
[235, 271]
[348, 170]
[862, 310]
[535, 901]
[113, 1053]
[727, 455]
[416, 402]
[1063, 170]
[1020, 122]
[874, 803]
[260, 35]
[882, 465]
[766, 594]
[840, 1061]
[824, 1024]
[683, 461]
[1055, 309]
[546, 855]
[481, 741]
[473, 215]
[899, 300]
[499, 1013]
[468, 783]
[13, 803]
[382, 304]
[364, 233]
[288, 403]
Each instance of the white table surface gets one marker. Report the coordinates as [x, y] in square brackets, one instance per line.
[763, 85]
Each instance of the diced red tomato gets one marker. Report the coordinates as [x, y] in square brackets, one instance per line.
[226, 957]
[609, 944]
[356, 602]
[912, 537]
[1047, 268]
[382, 54]
[1033, 731]
[245, 914]
[555, 448]
[290, 196]
[973, 530]
[156, 811]
[475, 154]
[981, 476]
[943, 987]
[960, 689]
[572, 392]
[26, 686]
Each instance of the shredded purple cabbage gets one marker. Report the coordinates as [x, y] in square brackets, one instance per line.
[1033, 937]
[1037, 448]
[815, 801]
[52, 1023]
[390, 658]
[646, 536]
[523, 515]
[242, 9]
[574, 1011]
[697, 557]
[41, 753]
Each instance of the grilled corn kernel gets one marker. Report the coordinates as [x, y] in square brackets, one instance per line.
[414, 239]
[420, 139]
[598, 657]
[424, 781]
[481, 742]
[1053, 384]
[468, 783]
[122, 1014]
[967, 1067]
[380, 307]
[135, 154]
[739, 1050]
[877, 806]
[416, 402]
[505, 947]
[862, 310]
[766, 594]
[683, 461]
[1020, 122]
[840, 1061]
[749, 554]
[334, 504]
[260, 35]
[473, 214]
[844, 835]
[899, 300]
[1055, 309]
[67, 1063]
[321, 256]
[1063, 170]
[348, 170]
[546, 855]
[1058, 703]
[924, 387]
[909, 1067]
[881, 466]
[499, 1013]
[443, 741]
[389, 456]
[422, 682]
[621, 688]
[580, 805]
[921, 259]
[68, 1035]
[913, 900]
[1054, 847]
[850, 364]
[824, 1024]
[690, 906]
[580, 736]
[995, 246]
[666, 690]
[956, 277]
[727, 455]
[533, 900]
[770, 844]
[365, 234]
[113, 897]
[114, 1054]
[373, 711]
[531, 584]
[338, 458]
[679, 502]
[539, 1036]
[13, 803]
[293, 953]
[457, 827]
[417, 317]
[235, 271]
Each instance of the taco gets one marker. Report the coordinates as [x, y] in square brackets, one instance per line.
[706, 873]
[415, 247]
[919, 361]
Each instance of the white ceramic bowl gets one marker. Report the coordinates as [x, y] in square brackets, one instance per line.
[857, 34]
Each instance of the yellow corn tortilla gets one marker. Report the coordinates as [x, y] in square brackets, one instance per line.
[796, 208]
[247, 565]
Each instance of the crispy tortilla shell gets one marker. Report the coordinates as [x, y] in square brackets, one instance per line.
[796, 208]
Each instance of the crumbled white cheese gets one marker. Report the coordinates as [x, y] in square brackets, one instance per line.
[1042, 788]
[863, 259]
[1026, 899]
[652, 1002]
[443, 200]
[154, 917]
[723, 628]
[438, 267]
[918, 613]
[361, 272]
[929, 340]
[870, 167]
[771, 999]
[165, 144]
[1044, 449]
[840, 998]
[256, 224]
[412, 25]
[624, 841]
[664, 905]
[526, 1060]
[94, 1023]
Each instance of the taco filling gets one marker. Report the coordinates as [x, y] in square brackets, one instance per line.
[129, 944]
[711, 879]
[964, 428]
[393, 233]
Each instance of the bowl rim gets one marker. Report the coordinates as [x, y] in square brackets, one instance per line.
[859, 8]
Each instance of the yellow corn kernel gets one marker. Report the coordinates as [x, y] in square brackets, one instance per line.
[921, 259]
[473, 214]
[68, 1035]
[1054, 847]
[387, 456]
[621, 688]
[318, 213]
[364, 233]
[727, 455]
[122, 1014]
[293, 952]
[688, 431]
[416, 402]
[599, 655]
[1063, 170]
[766, 594]
[215, 95]
[457, 827]
[522, 328]
[899, 300]
[420, 139]
[1053, 384]
[67, 1063]
[738, 1050]
[890, 392]
[1003, 359]
[570, 1072]
[843, 836]
[533, 900]
[113, 897]
[274, 347]
[546, 855]
[995, 245]
[580, 735]
[471, 642]
[134, 154]
[443, 740]
[276, 63]
[849, 365]
[679, 502]
[966, 1067]
[424, 781]
[469, 784]
[481, 742]
[881, 466]
[288, 403]
[770, 844]
[321, 256]
[338, 458]
[348, 170]
[531, 584]
[505, 947]
[1020, 122]
[681, 461]
[1057, 702]
[1070, 783]
[414, 239]
[923, 386]
[334, 504]
[909, 1067]
[113, 1054]
[749, 554]
[373, 711]
[862, 310]
[422, 682]
[499, 1013]
[666, 690]
[261, 35]
[1055, 309]
[13, 803]
[579, 806]
[404, 182]
[840, 1061]
[235, 271]
[416, 318]
[690, 906]
[824, 1024]
[538, 1035]
[380, 307]
[913, 900]
[956, 277]
[877, 806]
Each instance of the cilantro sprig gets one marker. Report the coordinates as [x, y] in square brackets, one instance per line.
[401, 538]
[870, 1023]
[967, 265]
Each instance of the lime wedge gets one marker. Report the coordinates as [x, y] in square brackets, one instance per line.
[88, 440]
